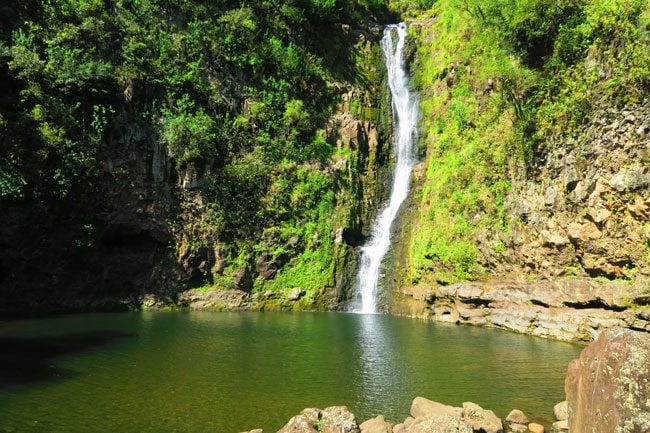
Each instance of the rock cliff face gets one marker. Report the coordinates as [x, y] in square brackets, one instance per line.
[362, 176]
[142, 233]
[535, 183]
[583, 209]
[99, 247]
[575, 259]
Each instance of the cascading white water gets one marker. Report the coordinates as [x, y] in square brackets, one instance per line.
[405, 117]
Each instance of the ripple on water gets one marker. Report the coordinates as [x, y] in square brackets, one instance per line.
[226, 372]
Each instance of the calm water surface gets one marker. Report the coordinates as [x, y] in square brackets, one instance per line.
[228, 372]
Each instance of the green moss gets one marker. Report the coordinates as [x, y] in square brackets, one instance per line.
[238, 93]
[469, 136]
[496, 81]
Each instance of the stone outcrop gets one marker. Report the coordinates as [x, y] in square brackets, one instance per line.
[234, 299]
[581, 210]
[517, 421]
[481, 420]
[295, 294]
[607, 391]
[335, 419]
[561, 411]
[426, 417]
[439, 424]
[218, 300]
[376, 425]
[560, 426]
[564, 309]
[424, 408]
[365, 166]
[430, 416]
[607, 387]
[517, 417]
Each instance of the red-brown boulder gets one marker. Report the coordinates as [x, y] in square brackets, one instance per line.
[607, 387]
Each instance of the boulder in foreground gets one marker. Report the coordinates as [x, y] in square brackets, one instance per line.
[335, 419]
[444, 423]
[607, 387]
[422, 407]
[481, 420]
[376, 425]
[517, 417]
[561, 411]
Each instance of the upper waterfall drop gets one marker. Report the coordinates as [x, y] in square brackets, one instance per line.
[405, 118]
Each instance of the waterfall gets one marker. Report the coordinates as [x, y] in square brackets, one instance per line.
[405, 117]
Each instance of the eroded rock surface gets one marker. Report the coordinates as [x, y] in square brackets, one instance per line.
[582, 211]
[608, 386]
[565, 309]
[226, 299]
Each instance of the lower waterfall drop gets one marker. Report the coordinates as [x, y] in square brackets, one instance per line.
[405, 118]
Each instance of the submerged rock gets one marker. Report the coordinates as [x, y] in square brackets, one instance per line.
[518, 428]
[607, 387]
[560, 427]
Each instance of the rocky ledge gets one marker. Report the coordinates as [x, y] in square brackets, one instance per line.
[238, 300]
[565, 309]
[607, 390]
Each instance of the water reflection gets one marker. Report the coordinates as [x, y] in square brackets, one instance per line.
[380, 373]
[229, 372]
[25, 360]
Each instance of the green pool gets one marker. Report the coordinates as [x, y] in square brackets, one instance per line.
[228, 372]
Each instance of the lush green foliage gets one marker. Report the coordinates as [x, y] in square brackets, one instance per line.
[499, 79]
[238, 89]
